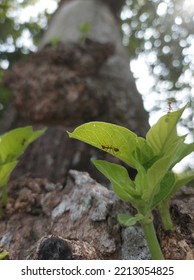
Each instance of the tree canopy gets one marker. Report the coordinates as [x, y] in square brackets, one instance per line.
[159, 33]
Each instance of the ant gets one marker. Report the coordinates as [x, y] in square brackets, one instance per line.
[23, 142]
[169, 104]
[110, 148]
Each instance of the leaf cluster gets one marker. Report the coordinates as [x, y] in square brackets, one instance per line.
[152, 157]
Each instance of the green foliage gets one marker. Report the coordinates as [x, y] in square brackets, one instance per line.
[128, 221]
[3, 253]
[152, 157]
[12, 145]
[122, 185]
[108, 137]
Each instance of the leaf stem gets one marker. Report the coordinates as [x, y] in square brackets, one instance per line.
[165, 215]
[152, 241]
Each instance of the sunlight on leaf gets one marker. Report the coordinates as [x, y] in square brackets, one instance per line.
[113, 139]
[14, 142]
[164, 133]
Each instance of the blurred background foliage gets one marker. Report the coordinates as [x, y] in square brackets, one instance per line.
[159, 36]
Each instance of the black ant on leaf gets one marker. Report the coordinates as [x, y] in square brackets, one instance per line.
[169, 104]
[108, 148]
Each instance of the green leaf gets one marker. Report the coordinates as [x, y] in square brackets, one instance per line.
[122, 185]
[181, 180]
[3, 253]
[185, 150]
[5, 171]
[128, 221]
[163, 134]
[114, 139]
[166, 187]
[14, 142]
[143, 152]
[158, 170]
[12, 145]
[141, 179]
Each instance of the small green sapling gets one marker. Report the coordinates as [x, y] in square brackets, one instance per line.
[153, 157]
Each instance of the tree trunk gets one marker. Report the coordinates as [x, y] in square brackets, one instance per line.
[75, 77]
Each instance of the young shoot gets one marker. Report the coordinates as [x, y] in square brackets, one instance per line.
[153, 157]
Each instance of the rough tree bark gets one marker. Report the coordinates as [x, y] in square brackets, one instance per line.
[73, 78]
[84, 213]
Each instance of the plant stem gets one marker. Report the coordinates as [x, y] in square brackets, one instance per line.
[165, 215]
[152, 241]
